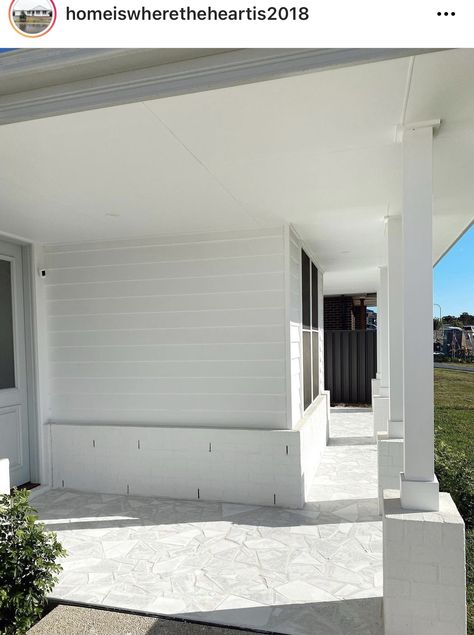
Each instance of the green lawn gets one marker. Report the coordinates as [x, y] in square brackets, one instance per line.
[454, 424]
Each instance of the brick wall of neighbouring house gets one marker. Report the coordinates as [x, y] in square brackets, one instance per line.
[360, 312]
[338, 313]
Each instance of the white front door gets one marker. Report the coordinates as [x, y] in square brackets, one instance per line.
[14, 443]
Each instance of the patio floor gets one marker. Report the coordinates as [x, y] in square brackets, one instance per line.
[317, 570]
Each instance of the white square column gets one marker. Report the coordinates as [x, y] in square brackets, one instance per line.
[390, 443]
[380, 400]
[423, 533]
[419, 486]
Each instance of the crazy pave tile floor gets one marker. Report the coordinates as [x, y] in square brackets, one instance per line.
[313, 571]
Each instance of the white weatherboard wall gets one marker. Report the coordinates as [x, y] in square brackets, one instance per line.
[183, 330]
[295, 319]
[168, 370]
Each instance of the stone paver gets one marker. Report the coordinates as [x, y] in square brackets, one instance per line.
[315, 570]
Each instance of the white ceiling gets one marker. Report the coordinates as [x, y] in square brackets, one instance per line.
[316, 150]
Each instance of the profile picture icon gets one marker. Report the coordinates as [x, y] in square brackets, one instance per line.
[32, 18]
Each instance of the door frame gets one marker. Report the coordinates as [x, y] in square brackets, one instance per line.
[29, 307]
[37, 472]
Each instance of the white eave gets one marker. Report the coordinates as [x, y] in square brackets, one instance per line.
[125, 143]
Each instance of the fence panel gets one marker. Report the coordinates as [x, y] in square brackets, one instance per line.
[350, 363]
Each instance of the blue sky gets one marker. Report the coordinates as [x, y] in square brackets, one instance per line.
[454, 278]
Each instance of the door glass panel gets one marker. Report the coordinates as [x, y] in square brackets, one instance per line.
[7, 361]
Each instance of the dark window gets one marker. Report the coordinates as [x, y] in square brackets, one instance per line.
[314, 297]
[7, 360]
[315, 336]
[309, 309]
[306, 289]
[307, 387]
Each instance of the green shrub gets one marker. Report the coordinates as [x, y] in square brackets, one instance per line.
[470, 579]
[456, 475]
[28, 567]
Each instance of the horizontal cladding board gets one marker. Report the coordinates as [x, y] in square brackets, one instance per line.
[181, 286]
[146, 271]
[168, 239]
[183, 330]
[166, 253]
[169, 385]
[225, 368]
[271, 420]
[179, 402]
[249, 354]
[107, 322]
[231, 334]
[253, 299]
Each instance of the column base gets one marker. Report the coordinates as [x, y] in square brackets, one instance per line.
[380, 407]
[395, 429]
[375, 386]
[423, 569]
[389, 464]
[419, 495]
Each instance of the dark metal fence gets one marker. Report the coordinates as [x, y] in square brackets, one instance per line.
[350, 363]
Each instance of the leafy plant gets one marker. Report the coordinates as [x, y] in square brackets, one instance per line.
[456, 475]
[28, 564]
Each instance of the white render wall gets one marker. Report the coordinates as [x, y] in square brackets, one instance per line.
[180, 330]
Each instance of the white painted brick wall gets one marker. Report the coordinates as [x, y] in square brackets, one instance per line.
[313, 430]
[424, 569]
[389, 464]
[380, 407]
[261, 467]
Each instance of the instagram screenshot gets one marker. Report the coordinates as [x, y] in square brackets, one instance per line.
[236, 317]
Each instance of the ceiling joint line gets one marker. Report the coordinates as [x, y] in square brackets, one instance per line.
[408, 85]
[203, 165]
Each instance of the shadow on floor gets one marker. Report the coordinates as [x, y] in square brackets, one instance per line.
[345, 617]
[65, 510]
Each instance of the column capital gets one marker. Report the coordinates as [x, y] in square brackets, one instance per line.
[400, 130]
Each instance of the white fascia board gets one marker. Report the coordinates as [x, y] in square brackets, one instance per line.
[199, 73]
